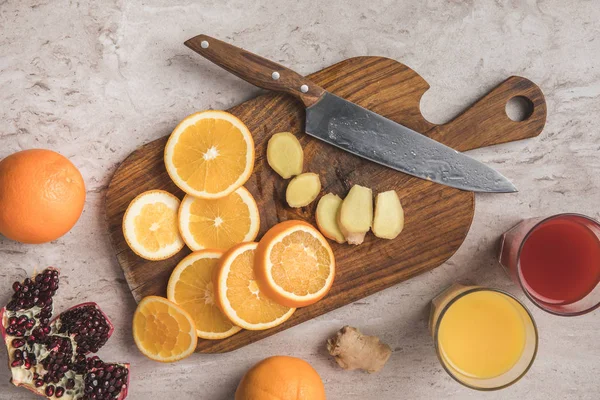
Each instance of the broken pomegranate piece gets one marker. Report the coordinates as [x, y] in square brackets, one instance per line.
[49, 358]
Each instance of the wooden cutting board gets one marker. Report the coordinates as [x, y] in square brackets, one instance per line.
[437, 217]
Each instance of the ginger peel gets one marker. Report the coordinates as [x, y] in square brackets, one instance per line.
[353, 350]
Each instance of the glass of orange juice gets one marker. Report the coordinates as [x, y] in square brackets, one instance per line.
[485, 338]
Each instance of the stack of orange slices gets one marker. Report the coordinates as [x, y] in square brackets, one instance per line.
[229, 282]
[209, 155]
[254, 286]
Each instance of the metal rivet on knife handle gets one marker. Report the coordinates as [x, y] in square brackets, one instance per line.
[304, 88]
[204, 44]
[275, 75]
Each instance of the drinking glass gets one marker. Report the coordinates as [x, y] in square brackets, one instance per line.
[451, 326]
[556, 262]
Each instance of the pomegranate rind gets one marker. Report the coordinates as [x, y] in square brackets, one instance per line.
[2, 322]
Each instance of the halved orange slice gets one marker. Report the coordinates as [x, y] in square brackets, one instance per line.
[150, 225]
[239, 296]
[219, 223]
[210, 154]
[163, 331]
[294, 264]
[191, 286]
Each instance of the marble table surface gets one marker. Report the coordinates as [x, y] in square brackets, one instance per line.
[94, 80]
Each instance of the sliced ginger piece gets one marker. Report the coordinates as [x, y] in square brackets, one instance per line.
[327, 211]
[353, 350]
[356, 214]
[389, 215]
[303, 190]
[285, 155]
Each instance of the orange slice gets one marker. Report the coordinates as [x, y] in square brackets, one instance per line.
[150, 225]
[191, 286]
[295, 265]
[163, 331]
[238, 293]
[210, 154]
[219, 223]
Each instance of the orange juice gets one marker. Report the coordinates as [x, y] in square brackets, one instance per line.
[482, 335]
[485, 338]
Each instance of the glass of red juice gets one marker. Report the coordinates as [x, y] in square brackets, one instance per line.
[556, 261]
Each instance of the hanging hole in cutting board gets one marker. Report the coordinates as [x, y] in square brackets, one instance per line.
[519, 108]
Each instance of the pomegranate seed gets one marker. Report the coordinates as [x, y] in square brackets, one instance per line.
[27, 364]
[12, 320]
[70, 384]
[18, 343]
[49, 391]
[16, 363]
[39, 383]
[16, 286]
[59, 391]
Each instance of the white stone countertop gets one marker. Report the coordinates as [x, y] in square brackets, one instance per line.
[94, 80]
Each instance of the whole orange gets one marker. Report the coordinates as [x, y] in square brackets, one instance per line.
[281, 378]
[41, 196]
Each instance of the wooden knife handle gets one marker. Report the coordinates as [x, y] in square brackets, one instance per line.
[255, 69]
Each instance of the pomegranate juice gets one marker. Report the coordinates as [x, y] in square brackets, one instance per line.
[560, 261]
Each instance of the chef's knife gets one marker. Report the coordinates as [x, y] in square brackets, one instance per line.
[355, 129]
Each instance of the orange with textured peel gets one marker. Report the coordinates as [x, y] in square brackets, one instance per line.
[163, 331]
[281, 378]
[239, 296]
[294, 264]
[210, 154]
[41, 196]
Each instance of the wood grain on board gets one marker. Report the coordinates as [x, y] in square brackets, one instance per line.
[437, 217]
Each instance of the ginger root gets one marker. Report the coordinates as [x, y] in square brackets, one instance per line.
[303, 189]
[389, 215]
[353, 350]
[285, 155]
[356, 214]
[327, 211]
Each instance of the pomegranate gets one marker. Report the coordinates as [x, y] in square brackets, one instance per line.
[49, 357]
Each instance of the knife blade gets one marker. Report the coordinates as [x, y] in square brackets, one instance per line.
[355, 129]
